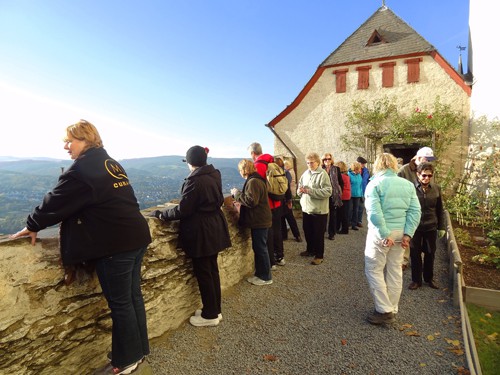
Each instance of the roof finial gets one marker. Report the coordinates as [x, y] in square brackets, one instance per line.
[383, 5]
[460, 68]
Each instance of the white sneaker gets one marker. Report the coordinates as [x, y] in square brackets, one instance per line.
[281, 262]
[274, 268]
[198, 313]
[257, 281]
[199, 321]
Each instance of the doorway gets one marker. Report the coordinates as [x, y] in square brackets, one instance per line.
[404, 151]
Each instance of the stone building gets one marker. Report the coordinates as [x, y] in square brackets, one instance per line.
[384, 57]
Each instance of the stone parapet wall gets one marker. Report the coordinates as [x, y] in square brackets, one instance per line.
[48, 327]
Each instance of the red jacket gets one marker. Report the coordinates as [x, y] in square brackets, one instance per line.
[346, 191]
[262, 169]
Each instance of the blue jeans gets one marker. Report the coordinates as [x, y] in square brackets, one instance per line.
[120, 278]
[361, 209]
[353, 213]
[261, 256]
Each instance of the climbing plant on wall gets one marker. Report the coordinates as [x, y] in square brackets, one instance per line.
[381, 122]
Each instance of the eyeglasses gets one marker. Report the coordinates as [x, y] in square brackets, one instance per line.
[311, 162]
[423, 175]
[327, 159]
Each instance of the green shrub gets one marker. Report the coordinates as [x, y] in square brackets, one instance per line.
[490, 255]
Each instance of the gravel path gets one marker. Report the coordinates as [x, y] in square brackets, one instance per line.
[312, 320]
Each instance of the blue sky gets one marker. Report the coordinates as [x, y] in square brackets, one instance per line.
[157, 77]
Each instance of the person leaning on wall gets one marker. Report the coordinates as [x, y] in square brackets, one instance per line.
[203, 231]
[101, 223]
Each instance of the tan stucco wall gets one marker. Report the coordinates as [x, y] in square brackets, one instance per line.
[317, 123]
[49, 328]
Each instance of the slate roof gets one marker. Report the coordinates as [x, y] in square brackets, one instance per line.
[398, 38]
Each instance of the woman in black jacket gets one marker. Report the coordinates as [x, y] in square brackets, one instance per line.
[101, 222]
[431, 226]
[203, 231]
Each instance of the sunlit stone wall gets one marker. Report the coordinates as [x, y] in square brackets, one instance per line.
[48, 327]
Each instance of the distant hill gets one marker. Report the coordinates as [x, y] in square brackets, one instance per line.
[155, 180]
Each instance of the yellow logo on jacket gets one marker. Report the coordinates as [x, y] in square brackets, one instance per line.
[117, 172]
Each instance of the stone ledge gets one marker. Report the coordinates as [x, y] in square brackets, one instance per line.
[47, 327]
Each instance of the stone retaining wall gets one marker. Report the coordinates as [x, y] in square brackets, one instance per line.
[48, 327]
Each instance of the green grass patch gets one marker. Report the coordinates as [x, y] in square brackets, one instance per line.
[486, 329]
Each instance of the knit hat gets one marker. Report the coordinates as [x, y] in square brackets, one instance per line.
[427, 153]
[361, 160]
[197, 156]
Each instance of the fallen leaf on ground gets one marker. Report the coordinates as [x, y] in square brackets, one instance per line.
[463, 370]
[430, 337]
[453, 342]
[493, 336]
[270, 357]
[442, 301]
[343, 342]
[456, 351]
[412, 333]
[423, 364]
[405, 326]
[488, 315]
[439, 354]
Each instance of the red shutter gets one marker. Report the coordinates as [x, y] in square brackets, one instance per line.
[413, 69]
[340, 80]
[363, 77]
[388, 74]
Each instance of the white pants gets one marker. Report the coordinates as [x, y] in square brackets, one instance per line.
[385, 286]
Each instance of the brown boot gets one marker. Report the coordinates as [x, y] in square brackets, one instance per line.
[377, 318]
[413, 285]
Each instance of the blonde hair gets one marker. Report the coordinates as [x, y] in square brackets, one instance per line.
[385, 161]
[84, 131]
[342, 166]
[246, 167]
[312, 156]
[356, 166]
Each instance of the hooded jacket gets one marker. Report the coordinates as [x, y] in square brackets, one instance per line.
[97, 208]
[261, 166]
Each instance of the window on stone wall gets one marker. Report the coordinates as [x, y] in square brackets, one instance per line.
[387, 74]
[413, 69]
[340, 80]
[363, 77]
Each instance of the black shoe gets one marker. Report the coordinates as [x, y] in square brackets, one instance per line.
[354, 227]
[331, 237]
[432, 285]
[306, 254]
[298, 239]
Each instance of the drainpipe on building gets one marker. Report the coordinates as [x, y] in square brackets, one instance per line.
[279, 139]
